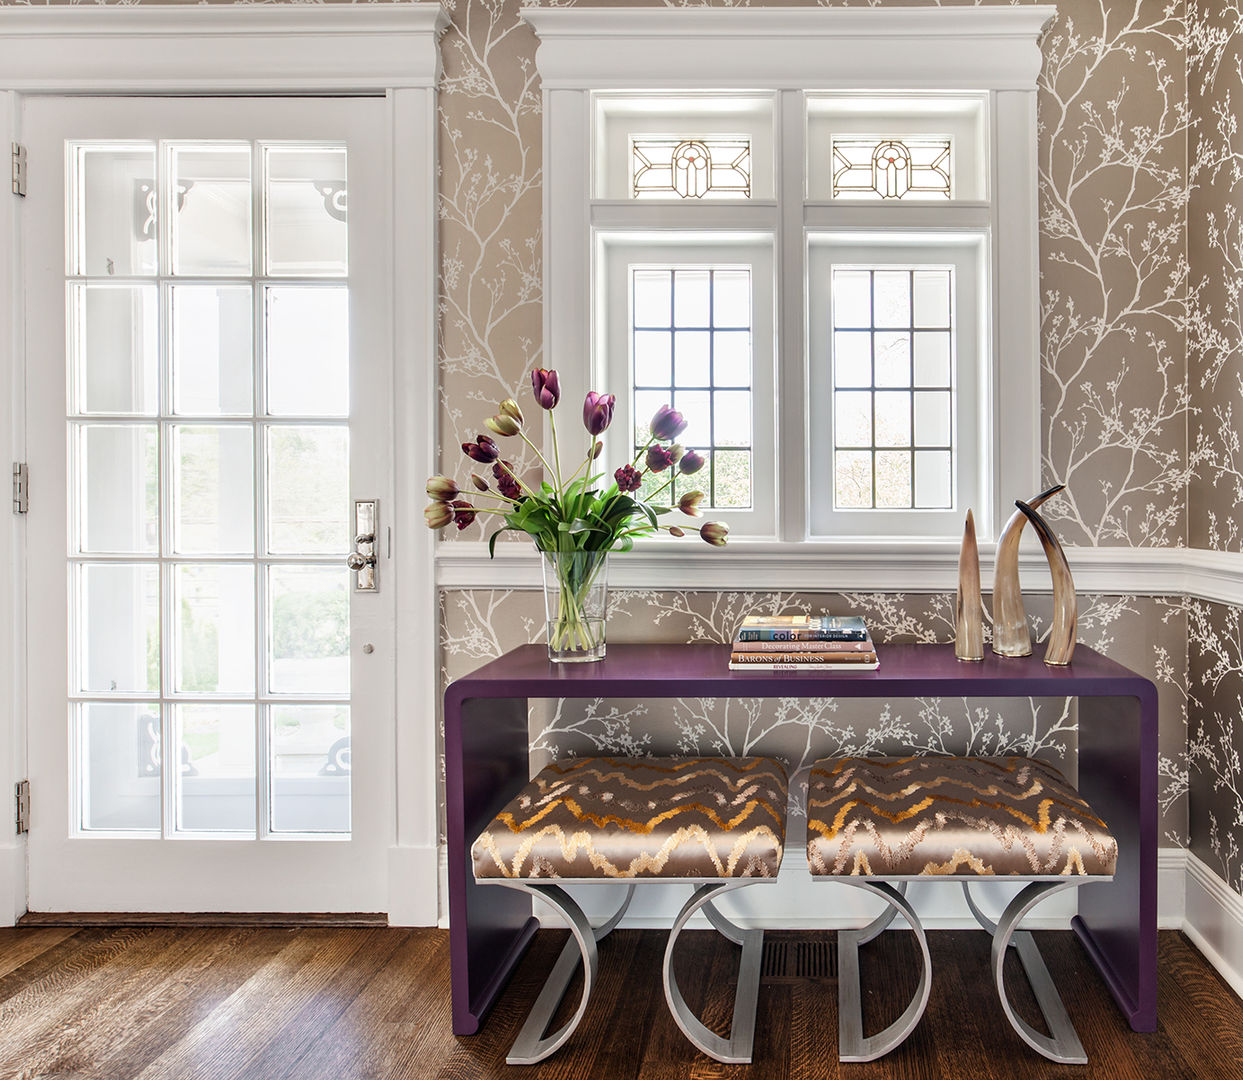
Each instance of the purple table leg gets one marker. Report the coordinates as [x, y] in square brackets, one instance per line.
[486, 763]
[1117, 922]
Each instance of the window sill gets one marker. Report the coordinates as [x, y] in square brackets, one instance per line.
[828, 566]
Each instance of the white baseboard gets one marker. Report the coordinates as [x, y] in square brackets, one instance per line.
[12, 883]
[414, 885]
[1214, 921]
[1171, 888]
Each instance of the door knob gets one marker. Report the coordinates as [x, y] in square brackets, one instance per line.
[362, 560]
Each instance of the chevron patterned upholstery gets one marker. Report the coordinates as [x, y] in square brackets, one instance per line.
[960, 816]
[606, 817]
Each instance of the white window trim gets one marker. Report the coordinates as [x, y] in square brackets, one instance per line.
[790, 50]
[389, 50]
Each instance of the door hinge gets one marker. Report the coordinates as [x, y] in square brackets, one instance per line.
[21, 487]
[19, 169]
[23, 807]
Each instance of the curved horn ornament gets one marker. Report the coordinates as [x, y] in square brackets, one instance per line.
[1061, 644]
[969, 610]
[1010, 634]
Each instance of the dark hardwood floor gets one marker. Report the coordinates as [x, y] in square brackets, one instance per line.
[205, 1003]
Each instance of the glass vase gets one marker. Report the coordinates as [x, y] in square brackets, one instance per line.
[575, 598]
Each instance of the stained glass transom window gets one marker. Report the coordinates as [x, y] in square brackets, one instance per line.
[893, 388]
[891, 168]
[664, 167]
[691, 342]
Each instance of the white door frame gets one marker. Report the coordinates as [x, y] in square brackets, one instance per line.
[388, 49]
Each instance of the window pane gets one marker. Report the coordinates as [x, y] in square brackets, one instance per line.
[113, 211]
[932, 298]
[852, 358]
[711, 167]
[308, 351]
[653, 358]
[115, 335]
[893, 418]
[118, 628]
[211, 228]
[933, 479]
[893, 479]
[118, 498]
[731, 418]
[893, 298]
[853, 418]
[308, 490]
[932, 358]
[214, 629]
[306, 211]
[731, 479]
[731, 358]
[893, 359]
[646, 404]
[852, 478]
[120, 756]
[212, 350]
[215, 746]
[932, 418]
[213, 490]
[695, 406]
[308, 630]
[692, 365]
[891, 167]
[310, 770]
[731, 298]
[690, 298]
[653, 295]
[852, 298]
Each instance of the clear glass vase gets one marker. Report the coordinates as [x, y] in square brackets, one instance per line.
[575, 598]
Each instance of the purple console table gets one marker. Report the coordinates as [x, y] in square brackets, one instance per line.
[486, 762]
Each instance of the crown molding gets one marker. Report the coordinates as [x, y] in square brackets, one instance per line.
[992, 48]
[267, 48]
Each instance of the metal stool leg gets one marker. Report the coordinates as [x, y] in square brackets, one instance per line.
[736, 1050]
[531, 1046]
[853, 1045]
[1064, 1045]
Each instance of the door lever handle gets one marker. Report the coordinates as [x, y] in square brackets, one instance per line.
[362, 560]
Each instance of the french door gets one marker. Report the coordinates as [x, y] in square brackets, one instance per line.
[208, 370]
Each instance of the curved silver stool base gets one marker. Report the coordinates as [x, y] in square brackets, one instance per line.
[1063, 1045]
[852, 1044]
[531, 1045]
[736, 1050]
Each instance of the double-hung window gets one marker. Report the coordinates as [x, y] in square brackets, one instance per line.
[813, 231]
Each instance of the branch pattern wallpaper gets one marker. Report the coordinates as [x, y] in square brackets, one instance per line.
[1141, 189]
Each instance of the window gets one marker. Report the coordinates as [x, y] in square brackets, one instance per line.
[832, 276]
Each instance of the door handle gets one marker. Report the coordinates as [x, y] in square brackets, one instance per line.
[362, 560]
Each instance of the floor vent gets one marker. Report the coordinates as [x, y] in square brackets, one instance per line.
[793, 959]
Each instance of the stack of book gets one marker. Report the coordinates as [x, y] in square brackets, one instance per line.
[801, 642]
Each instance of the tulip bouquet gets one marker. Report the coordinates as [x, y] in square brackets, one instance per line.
[574, 520]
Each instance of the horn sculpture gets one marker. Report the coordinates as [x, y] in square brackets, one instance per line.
[969, 611]
[1061, 644]
[1010, 634]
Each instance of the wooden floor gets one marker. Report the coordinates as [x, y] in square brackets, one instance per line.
[319, 1004]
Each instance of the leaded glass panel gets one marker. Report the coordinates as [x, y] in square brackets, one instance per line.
[889, 167]
[712, 167]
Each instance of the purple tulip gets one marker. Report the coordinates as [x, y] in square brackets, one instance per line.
[480, 483]
[689, 503]
[506, 481]
[658, 459]
[691, 462]
[546, 387]
[628, 478]
[675, 531]
[483, 450]
[668, 424]
[598, 412]
[714, 533]
[463, 513]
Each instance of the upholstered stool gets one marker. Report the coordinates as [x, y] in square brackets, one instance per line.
[877, 822]
[717, 823]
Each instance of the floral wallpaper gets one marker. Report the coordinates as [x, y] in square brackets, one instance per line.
[1215, 358]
